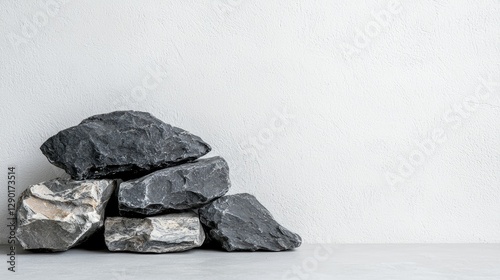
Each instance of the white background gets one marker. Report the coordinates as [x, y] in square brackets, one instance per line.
[313, 103]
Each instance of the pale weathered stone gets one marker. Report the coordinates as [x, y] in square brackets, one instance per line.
[160, 234]
[240, 223]
[122, 144]
[61, 213]
[177, 188]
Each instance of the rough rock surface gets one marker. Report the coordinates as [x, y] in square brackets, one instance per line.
[240, 223]
[59, 214]
[160, 234]
[178, 188]
[122, 144]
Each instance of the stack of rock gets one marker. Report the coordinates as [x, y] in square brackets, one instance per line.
[165, 198]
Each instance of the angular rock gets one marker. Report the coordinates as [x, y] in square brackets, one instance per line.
[240, 223]
[178, 188]
[160, 234]
[122, 144]
[59, 214]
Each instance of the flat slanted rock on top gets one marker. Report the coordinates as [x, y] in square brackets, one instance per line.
[122, 144]
[177, 188]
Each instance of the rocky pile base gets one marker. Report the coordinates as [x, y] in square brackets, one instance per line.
[166, 198]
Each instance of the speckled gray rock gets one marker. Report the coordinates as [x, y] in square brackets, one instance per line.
[122, 144]
[160, 234]
[178, 188]
[59, 214]
[240, 223]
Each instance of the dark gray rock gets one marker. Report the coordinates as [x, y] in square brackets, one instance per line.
[59, 214]
[122, 144]
[240, 223]
[178, 188]
[160, 234]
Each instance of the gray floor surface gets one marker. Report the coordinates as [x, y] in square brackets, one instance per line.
[429, 262]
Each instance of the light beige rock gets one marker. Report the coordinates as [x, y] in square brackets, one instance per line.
[159, 234]
[61, 213]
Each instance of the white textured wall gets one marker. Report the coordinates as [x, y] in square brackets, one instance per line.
[316, 105]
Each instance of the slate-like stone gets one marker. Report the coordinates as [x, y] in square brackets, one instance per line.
[240, 223]
[122, 144]
[59, 214]
[178, 188]
[160, 234]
